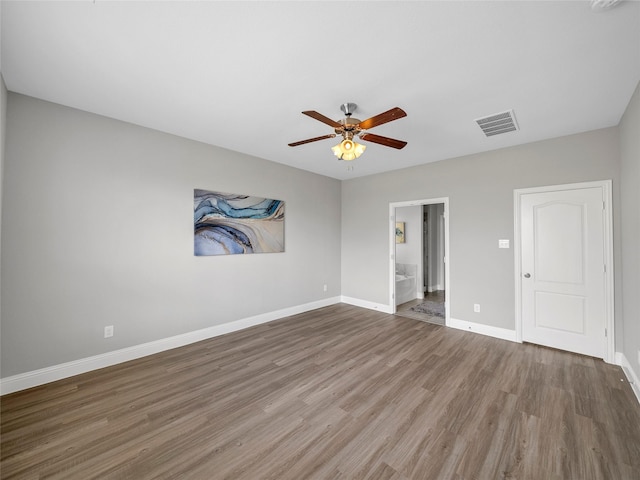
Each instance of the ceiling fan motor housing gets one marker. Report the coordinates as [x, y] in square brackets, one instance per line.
[350, 127]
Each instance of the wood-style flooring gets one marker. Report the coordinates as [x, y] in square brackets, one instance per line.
[336, 393]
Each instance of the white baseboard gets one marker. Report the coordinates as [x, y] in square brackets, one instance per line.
[381, 307]
[488, 330]
[630, 373]
[57, 372]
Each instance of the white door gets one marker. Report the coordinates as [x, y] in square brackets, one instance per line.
[563, 270]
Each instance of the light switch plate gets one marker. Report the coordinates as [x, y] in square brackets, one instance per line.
[503, 243]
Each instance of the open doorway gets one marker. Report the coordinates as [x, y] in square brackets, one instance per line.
[419, 268]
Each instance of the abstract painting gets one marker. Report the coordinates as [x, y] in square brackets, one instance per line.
[227, 224]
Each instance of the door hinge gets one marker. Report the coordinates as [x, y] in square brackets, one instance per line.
[605, 333]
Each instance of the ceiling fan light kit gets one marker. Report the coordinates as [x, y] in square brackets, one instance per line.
[348, 150]
[348, 128]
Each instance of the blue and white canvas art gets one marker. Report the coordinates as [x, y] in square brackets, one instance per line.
[227, 224]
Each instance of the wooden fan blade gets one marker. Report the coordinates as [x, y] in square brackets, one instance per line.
[309, 140]
[386, 141]
[388, 116]
[323, 119]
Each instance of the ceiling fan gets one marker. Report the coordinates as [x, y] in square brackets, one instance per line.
[350, 127]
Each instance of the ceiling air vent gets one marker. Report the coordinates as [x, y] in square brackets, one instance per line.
[602, 5]
[498, 123]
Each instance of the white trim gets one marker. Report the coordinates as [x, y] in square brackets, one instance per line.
[632, 376]
[366, 304]
[517, 262]
[609, 294]
[57, 372]
[607, 195]
[482, 329]
[392, 250]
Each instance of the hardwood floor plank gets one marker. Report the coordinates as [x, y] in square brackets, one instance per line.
[385, 472]
[337, 393]
[484, 433]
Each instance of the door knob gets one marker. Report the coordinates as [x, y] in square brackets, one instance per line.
[527, 275]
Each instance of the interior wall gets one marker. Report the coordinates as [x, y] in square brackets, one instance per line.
[436, 246]
[3, 134]
[440, 247]
[410, 252]
[630, 207]
[98, 230]
[480, 190]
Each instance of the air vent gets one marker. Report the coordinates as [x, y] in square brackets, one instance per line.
[498, 123]
[602, 5]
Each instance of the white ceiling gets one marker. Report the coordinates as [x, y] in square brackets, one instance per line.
[237, 74]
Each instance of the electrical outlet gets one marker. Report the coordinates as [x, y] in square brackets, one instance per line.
[476, 307]
[325, 287]
[108, 331]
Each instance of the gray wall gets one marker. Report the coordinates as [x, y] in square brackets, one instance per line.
[98, 230]
[630, 206]
[480, 189]
[410, 252]
[3, 135]
[436, 247]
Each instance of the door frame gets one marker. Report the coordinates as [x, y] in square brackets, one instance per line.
[392, 249]
[609, 294]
